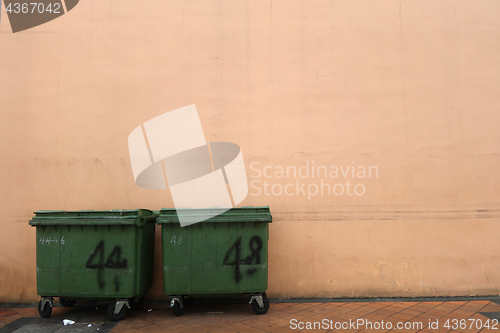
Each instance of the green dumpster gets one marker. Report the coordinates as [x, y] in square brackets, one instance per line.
[224, 254]
[97, 255]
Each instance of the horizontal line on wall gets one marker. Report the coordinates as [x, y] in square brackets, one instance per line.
[388, 215]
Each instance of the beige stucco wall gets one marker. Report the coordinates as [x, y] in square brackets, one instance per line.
[408, 87]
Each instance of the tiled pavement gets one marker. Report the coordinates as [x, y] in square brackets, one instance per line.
[461, 316]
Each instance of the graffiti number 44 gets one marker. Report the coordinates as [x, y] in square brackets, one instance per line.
[114, 261]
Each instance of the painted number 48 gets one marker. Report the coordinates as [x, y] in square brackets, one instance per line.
[176, 240]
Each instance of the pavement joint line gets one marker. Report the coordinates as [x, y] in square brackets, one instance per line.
[491, 298]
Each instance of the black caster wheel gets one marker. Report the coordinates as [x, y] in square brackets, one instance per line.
[46, 311]
[136, 304]
[66, 302]
[177, 309]
[120, 315]
[257, 309]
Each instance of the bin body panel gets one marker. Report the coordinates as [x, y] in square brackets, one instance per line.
[219, 257]
[102, 260]
[48, 260]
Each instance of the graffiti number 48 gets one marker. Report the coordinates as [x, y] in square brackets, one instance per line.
[255, 246]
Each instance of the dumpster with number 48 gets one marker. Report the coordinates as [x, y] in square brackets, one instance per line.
[223, 254]
[94, 255]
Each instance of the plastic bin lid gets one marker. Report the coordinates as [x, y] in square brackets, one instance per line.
[236, 215]
[93, 217]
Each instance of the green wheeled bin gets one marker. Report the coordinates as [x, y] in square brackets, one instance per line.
[94, 255]
[224, 254]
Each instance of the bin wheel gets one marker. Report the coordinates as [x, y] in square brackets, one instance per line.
[46, 311]
[257, 309]
[136, 304]
[66, 302]
[119, 316]
[177, 309]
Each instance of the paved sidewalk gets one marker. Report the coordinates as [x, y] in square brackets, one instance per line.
[354, 316]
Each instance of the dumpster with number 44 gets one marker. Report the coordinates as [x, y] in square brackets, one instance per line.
[94, 255]
[225, 253]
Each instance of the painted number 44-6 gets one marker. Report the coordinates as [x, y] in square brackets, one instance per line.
[48, 240]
